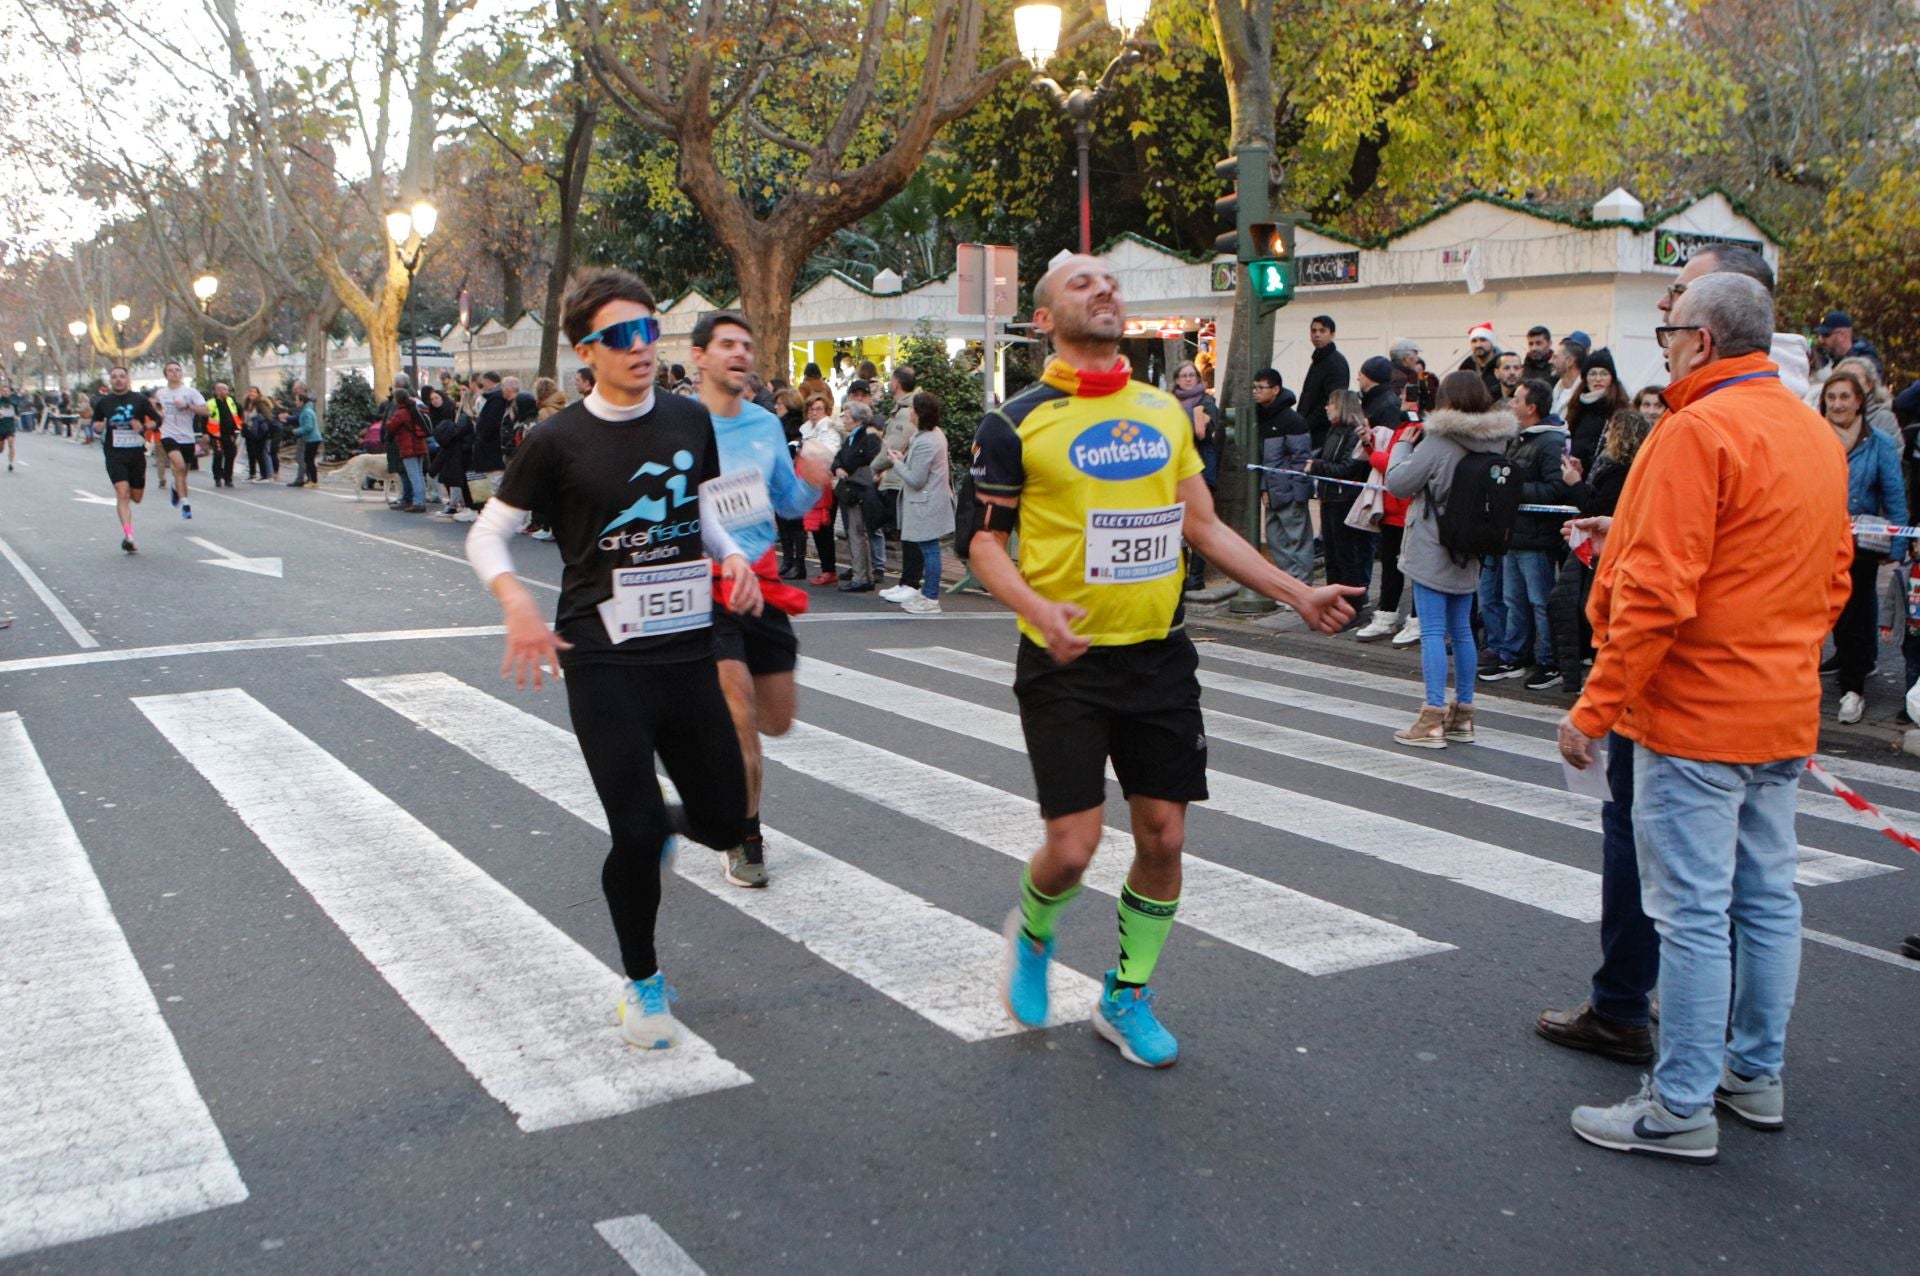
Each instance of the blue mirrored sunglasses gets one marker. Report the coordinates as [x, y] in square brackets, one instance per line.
[626, 334]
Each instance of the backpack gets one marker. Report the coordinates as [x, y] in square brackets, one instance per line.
[1481, 507]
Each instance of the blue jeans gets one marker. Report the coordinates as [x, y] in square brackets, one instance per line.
[412, 482]
[929, 568]
[1493, 605]
[1526, 579]
[1629, 946]
[1443, 617]
[1717, 847]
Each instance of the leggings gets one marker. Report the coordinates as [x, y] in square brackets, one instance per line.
[823, 547]
[793, 542]
[623, 715]
[256, 457]
[1392, 582]
[309, 463]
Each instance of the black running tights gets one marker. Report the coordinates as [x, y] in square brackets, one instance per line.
[623, 716]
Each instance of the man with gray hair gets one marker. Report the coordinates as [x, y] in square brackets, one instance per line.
[861, 509]
[1708, 639]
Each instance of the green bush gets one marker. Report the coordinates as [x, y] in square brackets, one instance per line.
[957, 389]
[350, 408]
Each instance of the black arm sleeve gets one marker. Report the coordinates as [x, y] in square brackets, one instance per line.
[998, 467]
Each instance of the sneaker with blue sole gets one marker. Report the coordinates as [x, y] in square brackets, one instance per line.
[1126, 1019]
[1646, 1125]
[1024, 987]
[646, 1015]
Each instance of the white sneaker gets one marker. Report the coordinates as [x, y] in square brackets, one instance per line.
[646, 1019]
[1409, 633]
[466, 516]
[898, 593]
[1853, 707]
[1380, 626]
[921, 605]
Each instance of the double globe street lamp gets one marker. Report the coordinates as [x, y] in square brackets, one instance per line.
[406, 226]
[1036, 29]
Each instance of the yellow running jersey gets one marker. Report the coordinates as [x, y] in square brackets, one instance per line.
[1095, 461]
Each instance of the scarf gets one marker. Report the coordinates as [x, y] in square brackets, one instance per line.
[1087, 385]
[1190, 399]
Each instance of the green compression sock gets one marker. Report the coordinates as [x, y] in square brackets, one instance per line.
[1037, 911]
[1144, 927]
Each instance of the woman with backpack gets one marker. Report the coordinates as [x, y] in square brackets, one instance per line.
[1465, 429]
[406, 436]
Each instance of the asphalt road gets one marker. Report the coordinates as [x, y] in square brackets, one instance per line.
[306, 967]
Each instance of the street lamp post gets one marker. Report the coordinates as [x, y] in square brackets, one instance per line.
[1037, 32]
[406, 226]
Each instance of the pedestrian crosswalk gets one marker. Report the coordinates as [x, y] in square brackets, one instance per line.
[525, 1009]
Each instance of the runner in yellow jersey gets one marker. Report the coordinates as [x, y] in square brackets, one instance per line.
[1099, 475]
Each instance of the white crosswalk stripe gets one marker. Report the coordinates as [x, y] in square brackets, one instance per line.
[101, 1126]
[646, 1247]
[1404, 768]
[1295, 929]
[1526, 879]
[1820, 805]
[934, 963]
[518, 1002]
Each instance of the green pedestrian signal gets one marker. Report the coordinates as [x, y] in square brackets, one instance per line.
[1272, 282]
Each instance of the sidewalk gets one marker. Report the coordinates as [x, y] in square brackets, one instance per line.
[1878, 738]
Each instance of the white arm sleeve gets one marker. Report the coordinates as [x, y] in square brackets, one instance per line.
[489, 537]
[716, 539]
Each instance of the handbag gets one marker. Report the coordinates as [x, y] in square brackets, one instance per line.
[479, 487]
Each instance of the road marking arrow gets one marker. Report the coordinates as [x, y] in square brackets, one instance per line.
[258, 566]
[91, 498]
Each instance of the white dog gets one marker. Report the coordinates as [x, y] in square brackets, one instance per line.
[368, 467]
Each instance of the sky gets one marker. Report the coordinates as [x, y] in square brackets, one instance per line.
[136, 90]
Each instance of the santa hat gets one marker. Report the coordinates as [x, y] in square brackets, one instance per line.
[1480, 330]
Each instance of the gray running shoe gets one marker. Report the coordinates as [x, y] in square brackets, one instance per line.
[1643, 1124]
[746, 864]
[1760, 1103]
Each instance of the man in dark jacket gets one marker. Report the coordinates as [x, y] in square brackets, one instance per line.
[1529, 566]
[1326, 373]
[1379, 400]
[1484, 357]
[1286, 445]
[1538, 363]
[489, 455]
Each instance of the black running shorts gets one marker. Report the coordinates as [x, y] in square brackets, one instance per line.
[126, 465]
[1137, 705]
[175, 445]
[765, 643]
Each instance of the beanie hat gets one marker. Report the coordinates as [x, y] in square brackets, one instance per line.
[1377, 370]
[1480, 330]
[1601, 358]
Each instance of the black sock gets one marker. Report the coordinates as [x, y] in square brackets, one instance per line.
[753, 828]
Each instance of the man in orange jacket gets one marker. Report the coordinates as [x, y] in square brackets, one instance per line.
[1724, 570]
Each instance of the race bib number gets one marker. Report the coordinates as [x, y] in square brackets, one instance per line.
[650, 601]
[739, 500]
[1127, 546]
[129, 438]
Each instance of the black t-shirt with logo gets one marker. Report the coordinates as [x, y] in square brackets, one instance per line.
[617, 494]
[122, 412]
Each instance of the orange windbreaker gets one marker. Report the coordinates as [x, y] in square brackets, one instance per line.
[1726, 567]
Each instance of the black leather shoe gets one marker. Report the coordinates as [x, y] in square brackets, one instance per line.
[1582, 1029]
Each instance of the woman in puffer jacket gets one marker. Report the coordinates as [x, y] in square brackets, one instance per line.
[1420, 471]
[1595, 495]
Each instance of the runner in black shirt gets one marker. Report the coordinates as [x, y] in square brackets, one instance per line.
[619, 476]
[120, 419]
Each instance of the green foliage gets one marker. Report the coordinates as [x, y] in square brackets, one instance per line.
[636, 218]
[1862, 259]
[957, 388]
[350, 408]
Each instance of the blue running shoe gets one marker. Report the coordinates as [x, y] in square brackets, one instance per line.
[646, 1019]
[174, 492]
[186, 511]
[1126, 1019]
[1024, 987]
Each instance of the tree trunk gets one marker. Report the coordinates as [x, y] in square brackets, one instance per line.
[767, 270]
[313, 330]
[513, 291]
[241, 357]
[573, 185]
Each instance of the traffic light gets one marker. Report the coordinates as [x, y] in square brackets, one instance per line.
[1272, 268]
[1246, 206]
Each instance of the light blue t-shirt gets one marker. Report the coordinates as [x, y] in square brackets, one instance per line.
[755, 439]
